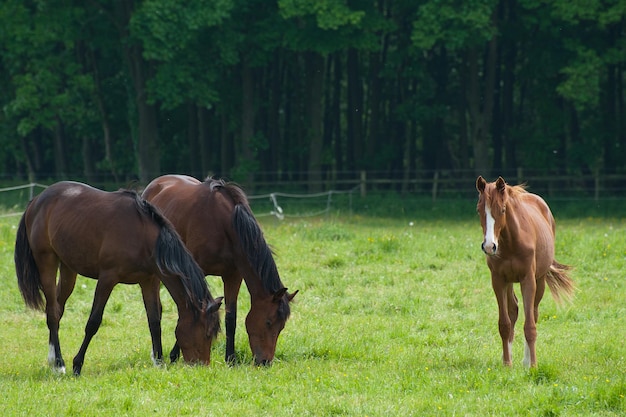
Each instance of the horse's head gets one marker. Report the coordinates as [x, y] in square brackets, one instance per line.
[492, 199]
[195, 333]
[265, 321]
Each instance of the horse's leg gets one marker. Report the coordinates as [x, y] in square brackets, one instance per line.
[152, 302]
[175, 352]
[513, 311]
[232, 285]
[529, 288]
[65, 287]
[48, 265]
[528, 354]
[501, 289]
[101, 296]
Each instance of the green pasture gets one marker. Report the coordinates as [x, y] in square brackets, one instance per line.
[395, 317]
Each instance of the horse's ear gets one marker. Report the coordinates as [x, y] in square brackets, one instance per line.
[215, 305]
[480, 184]
[278, 295]
[293, 294]
[500, 184]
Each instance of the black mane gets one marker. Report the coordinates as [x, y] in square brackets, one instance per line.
[258, 252]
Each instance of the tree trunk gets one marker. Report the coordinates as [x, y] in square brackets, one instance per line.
[245, 159]
[334, 106]
[89, 168]
[104, 116]
[374, 106]
[227, 147]
[204, 145]
[480, 104]
[272, 164]
[195, 166]
[508, 88]
[28, 159]
[354, 112]
[315, 87]
[148, 155]
[60, 151]
[435, 153]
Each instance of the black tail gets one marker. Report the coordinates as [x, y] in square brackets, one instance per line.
[26, 269]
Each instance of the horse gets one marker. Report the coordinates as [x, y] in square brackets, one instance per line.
[113, 237]
[518, 242]
[216, 223]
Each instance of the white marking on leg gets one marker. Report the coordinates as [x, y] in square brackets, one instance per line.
[526, 360]
[155, 361]
[51, 356]
[52, 360]
[490, 239]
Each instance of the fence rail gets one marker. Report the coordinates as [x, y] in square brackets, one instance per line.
[428, 184]
[452, 184]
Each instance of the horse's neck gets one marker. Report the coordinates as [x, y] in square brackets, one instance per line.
[253, 281]
[513, 227]
[178, 293]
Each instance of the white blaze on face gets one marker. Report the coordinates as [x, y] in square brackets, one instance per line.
[490, 240]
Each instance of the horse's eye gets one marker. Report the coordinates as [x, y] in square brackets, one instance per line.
[268, 323]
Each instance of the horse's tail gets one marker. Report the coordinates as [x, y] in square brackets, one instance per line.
[28, 278]
[561, 285]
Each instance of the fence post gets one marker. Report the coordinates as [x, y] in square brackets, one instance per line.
[363, 183]
[435, 185]
[596, 184]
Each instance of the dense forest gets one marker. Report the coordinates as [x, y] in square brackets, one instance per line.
[310, 90]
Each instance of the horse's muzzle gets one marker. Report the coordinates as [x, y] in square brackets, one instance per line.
[489, 249]
[263, 362]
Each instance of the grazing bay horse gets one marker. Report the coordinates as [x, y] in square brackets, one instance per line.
[113, 237]
[216, 223]
[518, 241]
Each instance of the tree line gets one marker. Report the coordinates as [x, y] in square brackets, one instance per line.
[310, 90]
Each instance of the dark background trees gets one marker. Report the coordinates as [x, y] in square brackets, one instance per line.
[310, 90]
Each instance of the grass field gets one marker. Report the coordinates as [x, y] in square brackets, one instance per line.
[395, 317]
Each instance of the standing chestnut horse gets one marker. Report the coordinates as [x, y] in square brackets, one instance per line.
[519, 231]
[114, 238]
[216, 223]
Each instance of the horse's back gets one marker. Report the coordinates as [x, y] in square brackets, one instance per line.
[88, 229]
[540, 222]
[202, 216]
[540, 205]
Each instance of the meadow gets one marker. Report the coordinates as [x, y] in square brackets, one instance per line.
[395, 316]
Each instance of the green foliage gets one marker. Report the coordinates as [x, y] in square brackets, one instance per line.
[328, 26]
[179, 36]
[165, 27]
[329, 14]
[398, 81]
[454, 25]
